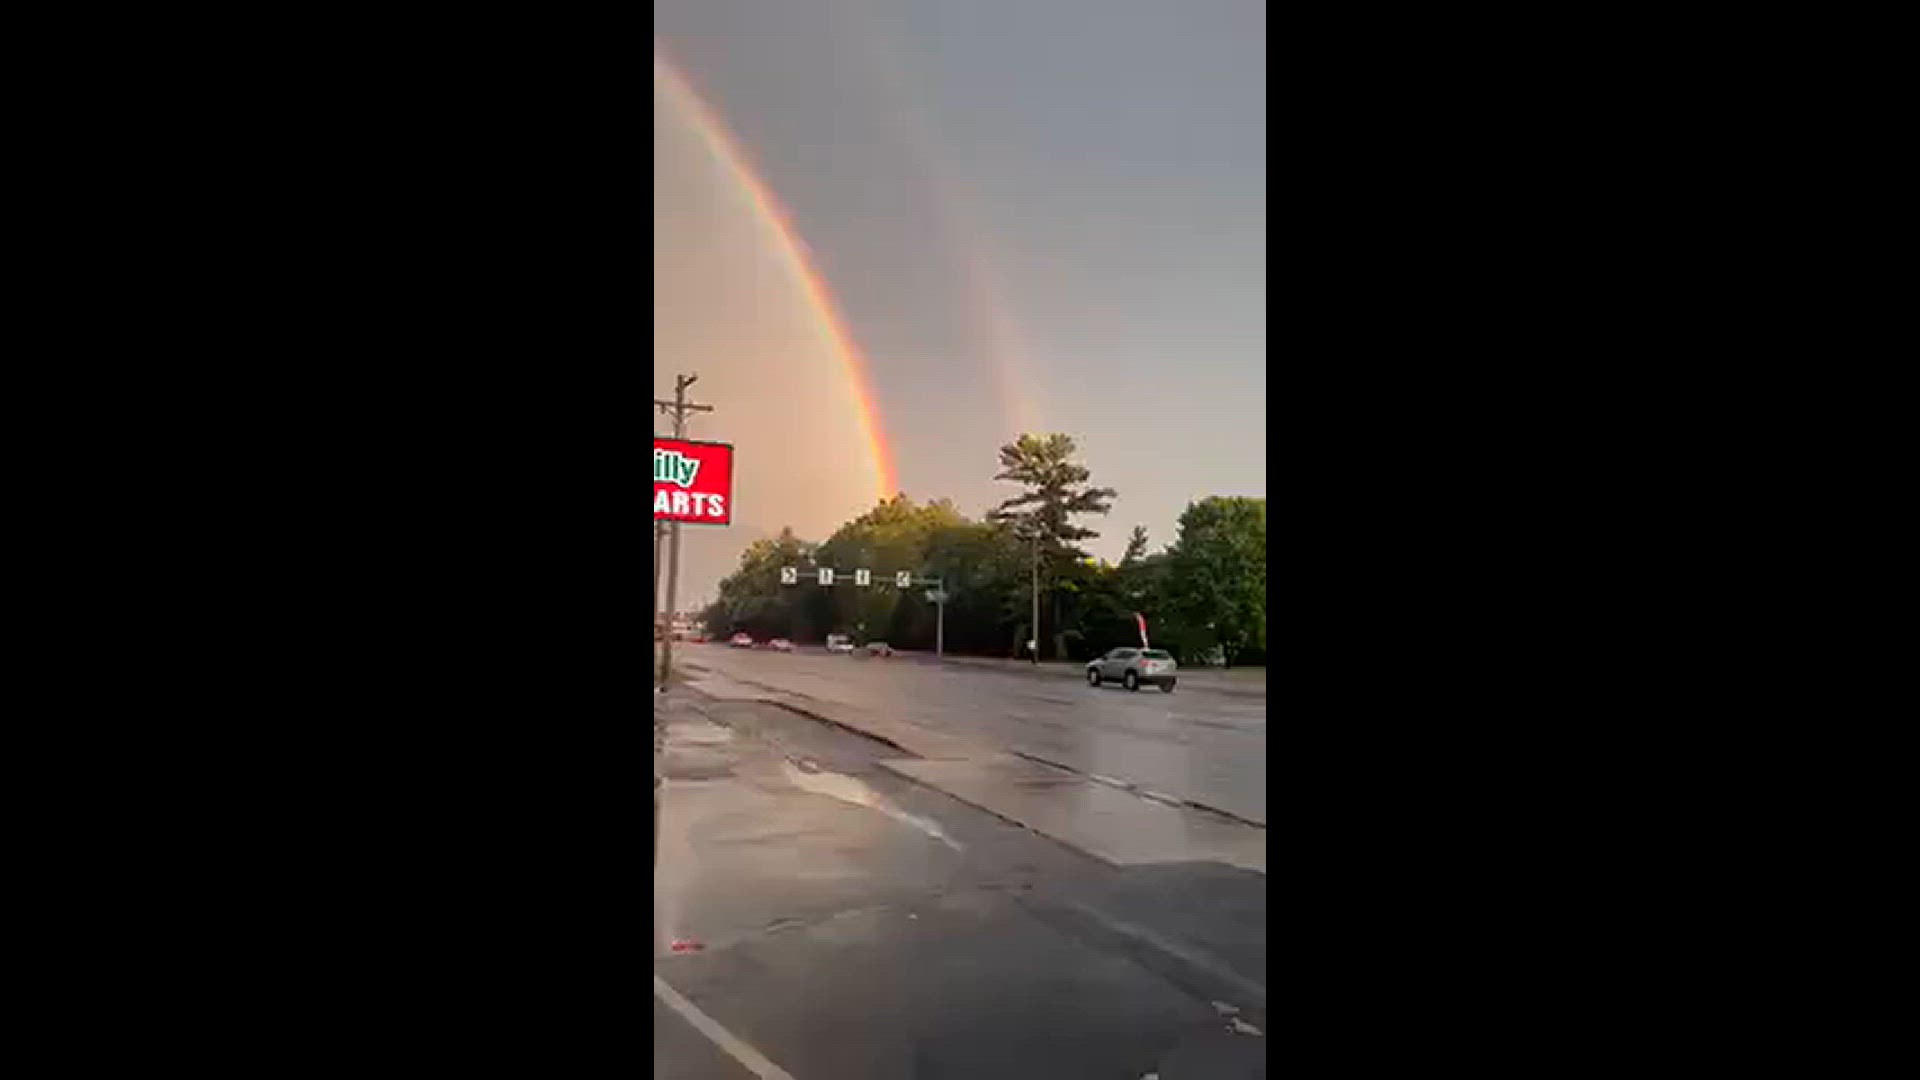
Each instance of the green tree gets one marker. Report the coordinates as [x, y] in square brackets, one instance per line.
[1215, 583]
[1043, 515]
[894, 535]
[752, 598]
[981, 563]
[987, 566]
[1099, 609]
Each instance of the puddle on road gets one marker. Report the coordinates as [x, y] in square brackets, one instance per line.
[849, 790]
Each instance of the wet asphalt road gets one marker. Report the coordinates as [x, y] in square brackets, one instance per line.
[1201, 744]
[852, 924]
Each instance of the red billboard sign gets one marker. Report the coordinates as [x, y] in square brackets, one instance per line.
[692, 481]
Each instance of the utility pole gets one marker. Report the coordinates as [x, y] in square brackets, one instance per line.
[679, 407]
[659, 560]
[1034, 526]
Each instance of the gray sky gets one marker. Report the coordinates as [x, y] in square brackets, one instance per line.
[1032, 215]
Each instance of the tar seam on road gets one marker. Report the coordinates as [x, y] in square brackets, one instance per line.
[811, 715]
[1146, 793]
[1194, 957]
[754, 1060]
[1013, 821]
[844, 727]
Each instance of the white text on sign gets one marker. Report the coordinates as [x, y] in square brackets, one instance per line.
[690, 503]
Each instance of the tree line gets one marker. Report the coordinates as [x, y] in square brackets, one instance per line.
[1204, 595]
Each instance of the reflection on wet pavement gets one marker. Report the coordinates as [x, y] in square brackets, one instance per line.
[750, 842]
[847, 789]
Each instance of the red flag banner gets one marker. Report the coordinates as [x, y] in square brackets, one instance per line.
[1142, 620]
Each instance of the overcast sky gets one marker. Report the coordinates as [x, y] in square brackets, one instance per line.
[1045, 214]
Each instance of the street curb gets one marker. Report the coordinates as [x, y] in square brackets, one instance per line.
[1145, 793]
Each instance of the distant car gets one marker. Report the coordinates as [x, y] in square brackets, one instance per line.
[839, 643]
[741, 641]
[698, 639]
[1131, 667]
[879, 648]
[780, 644]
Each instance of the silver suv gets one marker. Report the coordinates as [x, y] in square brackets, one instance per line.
[1131, 667]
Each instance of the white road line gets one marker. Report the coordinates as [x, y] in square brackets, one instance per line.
[752, 1059]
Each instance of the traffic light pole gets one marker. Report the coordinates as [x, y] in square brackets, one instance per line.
[903, 580]
[940, 613]
[679, 407]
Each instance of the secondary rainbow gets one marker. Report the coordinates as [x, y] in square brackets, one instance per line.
[962, 226]
[713, 131]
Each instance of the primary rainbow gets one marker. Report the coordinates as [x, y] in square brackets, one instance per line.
[713, 131]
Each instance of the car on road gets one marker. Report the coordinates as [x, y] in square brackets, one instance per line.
[741, 641]
[1132, 667]
[780, 644]
[839, 643]
[879, 648]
